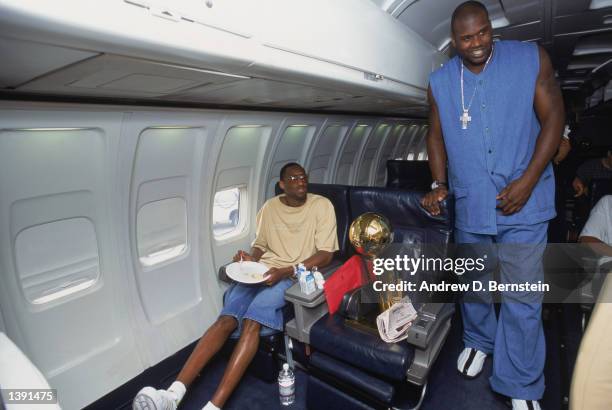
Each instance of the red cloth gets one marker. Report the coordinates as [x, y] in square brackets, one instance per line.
[348, 277]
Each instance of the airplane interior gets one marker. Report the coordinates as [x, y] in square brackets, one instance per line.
[139, 139]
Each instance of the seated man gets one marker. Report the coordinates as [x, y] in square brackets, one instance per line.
[592, 168]
[597, 232]
[296, 227]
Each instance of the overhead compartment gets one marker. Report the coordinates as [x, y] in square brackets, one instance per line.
[341, 54]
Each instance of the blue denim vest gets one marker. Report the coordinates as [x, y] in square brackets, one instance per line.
[500, 140]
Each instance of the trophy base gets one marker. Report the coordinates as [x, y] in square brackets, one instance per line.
[366, 323]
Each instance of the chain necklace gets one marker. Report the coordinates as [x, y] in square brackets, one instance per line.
[465, 117]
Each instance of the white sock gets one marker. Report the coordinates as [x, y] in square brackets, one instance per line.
[210, 406]
[179, 389]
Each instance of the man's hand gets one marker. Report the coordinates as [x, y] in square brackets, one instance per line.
[431, 200]
[275, 275]
[245, 257]
[514, 196]
[579, 187]
[564, 148]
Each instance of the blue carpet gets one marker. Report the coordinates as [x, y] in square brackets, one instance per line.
[447, 389]
[252, 393]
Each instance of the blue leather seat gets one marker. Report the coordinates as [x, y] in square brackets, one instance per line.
[339, 197]
[354, 368]
[411, 223]
[362, 350]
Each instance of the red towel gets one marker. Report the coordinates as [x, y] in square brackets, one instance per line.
[348, 277]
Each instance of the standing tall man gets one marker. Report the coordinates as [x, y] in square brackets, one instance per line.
[496, 119]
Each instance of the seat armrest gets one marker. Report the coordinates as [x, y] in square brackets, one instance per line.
[295, 296]
[327, 271]
[222, 274]
[352, 307]
[308, 308]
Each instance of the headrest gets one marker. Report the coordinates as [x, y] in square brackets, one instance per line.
[409, 220]
[413, 175]
[338, 195]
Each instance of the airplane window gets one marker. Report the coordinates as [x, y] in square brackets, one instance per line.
[161, 231]
[57, 259]
[226, 212]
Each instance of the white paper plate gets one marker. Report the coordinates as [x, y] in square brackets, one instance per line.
[247, 272]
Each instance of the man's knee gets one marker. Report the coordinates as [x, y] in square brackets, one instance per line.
[250, 326]
[227, 323]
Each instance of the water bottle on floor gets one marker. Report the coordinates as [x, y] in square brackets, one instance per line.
[286, 385]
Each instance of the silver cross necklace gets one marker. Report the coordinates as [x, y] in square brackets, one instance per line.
[465, 117]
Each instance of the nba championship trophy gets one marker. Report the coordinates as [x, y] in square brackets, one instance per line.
[370, 234]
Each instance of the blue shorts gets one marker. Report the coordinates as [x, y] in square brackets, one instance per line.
[262, 304]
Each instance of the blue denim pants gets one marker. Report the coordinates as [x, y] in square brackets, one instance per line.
[260, 303]
[516, 338]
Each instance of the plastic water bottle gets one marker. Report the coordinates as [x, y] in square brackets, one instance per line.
[286, 385]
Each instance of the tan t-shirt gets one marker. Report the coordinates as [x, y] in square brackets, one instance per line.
[289, 235]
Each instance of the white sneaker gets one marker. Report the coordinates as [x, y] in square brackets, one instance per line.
[518, 404]
[210, 406]
[150, 399]
[470, 362]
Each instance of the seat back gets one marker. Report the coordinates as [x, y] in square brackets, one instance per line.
[416, 233]
[413, 175]
[410, 222]
[599, 187]
[339, 197]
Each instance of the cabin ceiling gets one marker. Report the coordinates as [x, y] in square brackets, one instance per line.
[576, 33]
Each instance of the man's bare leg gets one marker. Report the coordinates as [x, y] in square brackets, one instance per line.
[239, 361]
[209, 344]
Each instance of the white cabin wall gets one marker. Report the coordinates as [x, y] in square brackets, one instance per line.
[2, 326]
[291, 145]
[420, 143]
[244, 142]
[56, 184]
[324, 151]
[401, 150]
[417, 147]
[350, 152]
[89, 171]
[367, 160]
[385, 153]
[163, 156]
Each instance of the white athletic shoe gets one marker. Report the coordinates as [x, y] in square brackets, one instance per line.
[470, 362]
[150, 399]
[518, 404]
[210, 406]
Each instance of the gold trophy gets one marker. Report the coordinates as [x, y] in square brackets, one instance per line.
[370, 234]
